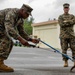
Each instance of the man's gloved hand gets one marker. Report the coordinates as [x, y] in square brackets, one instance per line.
[35, 41]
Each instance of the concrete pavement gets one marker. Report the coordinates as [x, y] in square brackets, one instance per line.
[34, 61]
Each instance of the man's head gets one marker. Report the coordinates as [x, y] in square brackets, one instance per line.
[25, 11]
[66, 8]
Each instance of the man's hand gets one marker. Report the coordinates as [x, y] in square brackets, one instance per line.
[67, 21]
[35, 41]
[24, 42]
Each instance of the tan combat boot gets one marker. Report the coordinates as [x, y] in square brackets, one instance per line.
[65, 63]
[4, 68]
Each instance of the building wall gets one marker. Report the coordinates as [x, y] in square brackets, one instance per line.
[48, 33]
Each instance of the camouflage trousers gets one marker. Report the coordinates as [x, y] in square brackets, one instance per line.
[6, 45]
[65, 44]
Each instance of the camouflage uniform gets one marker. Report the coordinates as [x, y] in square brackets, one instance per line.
[66, 22]
[9, 22]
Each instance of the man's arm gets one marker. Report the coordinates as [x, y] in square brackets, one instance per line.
[9, 25]
[22, 32]
[66, 23]
[9, 22]
[72, 21]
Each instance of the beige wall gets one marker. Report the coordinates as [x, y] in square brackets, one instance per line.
[48, 33]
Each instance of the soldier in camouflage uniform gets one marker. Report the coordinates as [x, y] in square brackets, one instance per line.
[67, 37]
[10, 20]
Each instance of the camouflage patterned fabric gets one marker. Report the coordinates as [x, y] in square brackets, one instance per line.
[67, 36]
[9, 22]
[6, 45]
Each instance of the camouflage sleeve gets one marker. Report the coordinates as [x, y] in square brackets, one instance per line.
[22, 31]
[9, 25]
[72, 21]
[62, 23]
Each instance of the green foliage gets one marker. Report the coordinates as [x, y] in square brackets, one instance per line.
[27, 25]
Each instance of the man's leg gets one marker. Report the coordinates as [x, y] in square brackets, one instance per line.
[64, 46]
[5, 49]
[72, 44]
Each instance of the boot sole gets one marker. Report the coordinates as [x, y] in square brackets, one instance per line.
[66, 66]
[5, 71]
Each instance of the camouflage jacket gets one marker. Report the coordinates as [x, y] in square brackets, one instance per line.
[66, 22]
[10, 20]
